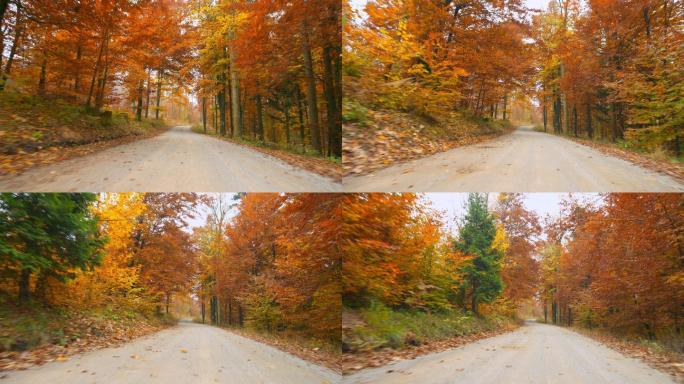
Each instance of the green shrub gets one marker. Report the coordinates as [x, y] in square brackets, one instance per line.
[354, 112]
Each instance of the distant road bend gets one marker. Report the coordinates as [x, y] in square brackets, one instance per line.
[178, 160]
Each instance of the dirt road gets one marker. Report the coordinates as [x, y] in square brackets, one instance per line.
[176, 161]
[187, 353]
[535, 353]
[524, 161]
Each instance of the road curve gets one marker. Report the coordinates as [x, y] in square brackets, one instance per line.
[533, 354]
[524, 161]
[178, 160]
[187, 353]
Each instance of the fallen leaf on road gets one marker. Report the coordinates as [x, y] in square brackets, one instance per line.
[184, 350]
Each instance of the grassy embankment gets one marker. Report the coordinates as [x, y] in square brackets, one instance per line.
[377, 135]
[378, 327]
[37, 130]
[34, 333]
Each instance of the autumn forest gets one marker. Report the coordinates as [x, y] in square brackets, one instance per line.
[262, 71]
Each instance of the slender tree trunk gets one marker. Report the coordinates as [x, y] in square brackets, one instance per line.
[312, 107]
[42, 82]
[24, 284]
[138, 111]
[334, 118]
[204, 114]
[18, 31]
[77, 74]
[259, 118]
[160, 75]
[300, 114]
[505, 106]
[574, 120]
[203, 310]
[99, 97]
[96, 72]
[148, 90]
[473, 300]
[590, 130]
[168, 301]
[286, 112]
[235, 111]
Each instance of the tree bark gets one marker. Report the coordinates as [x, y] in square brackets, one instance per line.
[312, 107]
[96, 72]
[235, 113]
[24, 284]
[300, 115]
[204, 113]
[259, 118]
[138, 111]
[160, 75]
[590, 130]
[148, 90]
[18, 30]
[334, 118]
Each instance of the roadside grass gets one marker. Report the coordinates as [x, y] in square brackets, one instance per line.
[382, 327]
[25, 326]
[294, 149]
[31, 123]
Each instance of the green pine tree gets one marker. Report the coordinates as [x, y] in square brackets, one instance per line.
[47, 235]
[482, 275]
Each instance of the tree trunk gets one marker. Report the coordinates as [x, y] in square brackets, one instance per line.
[545, 114]
[235, 112]
[168, 301]
[312, 107]
[24, 279]
[574, 120]
[204, 114]
[99, 97]
[590, 130]
[300, 114]
[259, 118]
[505, 106]
[138, 111]
[473, 301]
[148, 90]
[160, 75]
[42, 82]
[18, 30]
[77, 75]
[286, 112]
[96, 72]
[203, 310]
[334, 118]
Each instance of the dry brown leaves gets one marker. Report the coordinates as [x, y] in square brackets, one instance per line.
[297, 347]
[320, 166]
[370, 359]
[670, 363]
[668, 168]
[391, 137]
[93, 335]
[12, 164]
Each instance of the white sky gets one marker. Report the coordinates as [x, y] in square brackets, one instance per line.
[537, 4]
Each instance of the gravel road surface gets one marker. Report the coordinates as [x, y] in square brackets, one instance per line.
[187, 353]
[178, 160]
[524, 161]
[533, 354]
